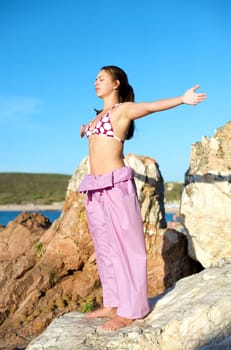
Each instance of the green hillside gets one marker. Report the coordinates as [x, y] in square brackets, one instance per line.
[172, 191]
[18, 188]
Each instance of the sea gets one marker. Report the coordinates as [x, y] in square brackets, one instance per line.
[52, 215]
[7, 216]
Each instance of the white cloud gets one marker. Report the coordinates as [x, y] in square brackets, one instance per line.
[17, 108]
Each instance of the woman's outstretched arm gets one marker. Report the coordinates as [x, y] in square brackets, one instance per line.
[139, 110]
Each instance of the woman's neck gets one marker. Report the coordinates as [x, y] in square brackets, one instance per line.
[108, 103]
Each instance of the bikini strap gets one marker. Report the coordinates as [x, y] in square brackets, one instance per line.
[118, 138]
[112, 107]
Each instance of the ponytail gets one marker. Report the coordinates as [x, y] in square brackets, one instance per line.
[126, 92]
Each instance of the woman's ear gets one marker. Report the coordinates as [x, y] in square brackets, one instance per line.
[116, 84]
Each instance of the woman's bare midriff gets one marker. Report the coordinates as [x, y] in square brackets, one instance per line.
[105, 154]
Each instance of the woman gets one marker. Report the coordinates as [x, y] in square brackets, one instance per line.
[112, 206]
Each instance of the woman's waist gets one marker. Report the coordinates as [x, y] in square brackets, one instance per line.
[105, 163]
[100, 181]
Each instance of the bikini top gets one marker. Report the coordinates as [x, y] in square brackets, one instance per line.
[103, 127]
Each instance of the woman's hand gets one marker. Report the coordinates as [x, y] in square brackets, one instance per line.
[190, 97]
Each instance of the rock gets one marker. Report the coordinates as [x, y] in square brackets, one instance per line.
[1, 227]
[219, 345]
[150, 190]
[168, 260]
[206, 198]
[17, 256]
[48, 272]
[195, 313]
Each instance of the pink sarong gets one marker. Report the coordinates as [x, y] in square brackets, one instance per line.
[116, 227]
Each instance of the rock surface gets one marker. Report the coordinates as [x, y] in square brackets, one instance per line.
[206, 198]
[194, 313]
[46, 272]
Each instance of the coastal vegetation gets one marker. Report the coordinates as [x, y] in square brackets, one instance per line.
[21, 188]
[172, 191]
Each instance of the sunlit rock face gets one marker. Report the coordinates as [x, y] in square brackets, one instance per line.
[195, 314]
[206, 198]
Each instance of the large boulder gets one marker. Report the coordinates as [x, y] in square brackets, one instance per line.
[194, 314]
[206, 198]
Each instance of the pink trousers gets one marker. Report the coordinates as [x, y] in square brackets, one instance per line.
[116, 227]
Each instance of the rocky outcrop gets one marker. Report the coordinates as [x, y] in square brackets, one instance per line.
[18, 255]
[193, 314]
[53, 270]
[206, 198]
[196, 313]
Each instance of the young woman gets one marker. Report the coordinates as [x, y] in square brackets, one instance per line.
[112, 206]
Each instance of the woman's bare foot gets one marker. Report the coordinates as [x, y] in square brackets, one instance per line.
[108, 312]
[116, 322]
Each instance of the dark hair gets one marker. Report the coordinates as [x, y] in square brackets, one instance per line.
[126, 92]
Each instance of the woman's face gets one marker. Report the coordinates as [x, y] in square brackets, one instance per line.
[104, 84]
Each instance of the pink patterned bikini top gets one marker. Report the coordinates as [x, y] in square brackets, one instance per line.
[103, 127]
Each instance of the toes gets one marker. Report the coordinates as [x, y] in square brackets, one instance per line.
[116, 323]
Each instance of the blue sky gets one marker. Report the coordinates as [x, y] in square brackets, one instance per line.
[52, 50]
